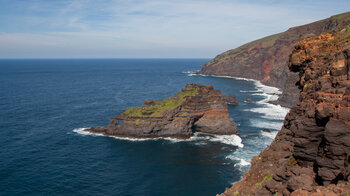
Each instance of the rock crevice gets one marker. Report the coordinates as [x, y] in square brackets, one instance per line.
[311, 153]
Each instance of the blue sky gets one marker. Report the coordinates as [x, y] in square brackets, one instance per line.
[147, 29]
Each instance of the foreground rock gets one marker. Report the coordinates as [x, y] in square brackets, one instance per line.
[267, 58]
[197, 108]
[311, 153]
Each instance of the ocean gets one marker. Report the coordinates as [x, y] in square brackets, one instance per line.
[45, 104]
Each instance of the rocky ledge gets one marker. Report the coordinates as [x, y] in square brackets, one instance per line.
[311, 153]
[197, 108]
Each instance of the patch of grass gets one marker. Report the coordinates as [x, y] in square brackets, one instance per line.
[348, 28]
[291, 161]
[266, 178]
[160, 107]
[305, 85]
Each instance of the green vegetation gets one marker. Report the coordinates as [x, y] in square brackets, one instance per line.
[237, 193]
[160, 107]
[348, 28]
[266, 178]
[276, 194]
[305, 85]
[291, 161]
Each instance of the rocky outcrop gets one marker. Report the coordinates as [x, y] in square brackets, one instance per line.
[197, 108]
[266, 59]
[311, 153]
[231, 100]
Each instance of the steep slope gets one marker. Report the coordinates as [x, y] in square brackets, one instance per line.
[266, 59]
[311, 153]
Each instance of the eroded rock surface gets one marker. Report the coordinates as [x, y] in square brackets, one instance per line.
[311, 153]
[197, 108]
[266, 59]
[231, 100]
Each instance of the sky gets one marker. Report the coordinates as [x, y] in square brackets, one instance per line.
[147, 28]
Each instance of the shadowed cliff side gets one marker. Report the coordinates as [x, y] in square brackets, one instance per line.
[266, 59]
[311, 153]
[197, 108]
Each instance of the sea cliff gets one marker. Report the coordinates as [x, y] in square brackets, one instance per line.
[311, 153]
[197, 108]
[267, 58]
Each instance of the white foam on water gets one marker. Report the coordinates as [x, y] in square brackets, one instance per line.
[234, 140]
[82, 132]
[241, 163]
[264, 124]
[271, 135]
[253, 91]
[270, 111]
[198, 138]
[191, 73]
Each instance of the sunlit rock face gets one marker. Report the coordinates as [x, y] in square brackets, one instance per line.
[197, 108]
[311, 153]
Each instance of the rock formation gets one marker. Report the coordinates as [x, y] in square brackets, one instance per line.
[231, 100]
[197, 108]
[311, 153]
[267, 58]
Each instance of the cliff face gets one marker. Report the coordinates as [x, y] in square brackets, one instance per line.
[197, 108]
[266, 59]
[311, 153]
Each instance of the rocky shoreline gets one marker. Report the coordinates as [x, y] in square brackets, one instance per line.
[197, 108]
[267, 58]
[310, 155]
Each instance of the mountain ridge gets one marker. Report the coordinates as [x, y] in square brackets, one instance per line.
[266, 59]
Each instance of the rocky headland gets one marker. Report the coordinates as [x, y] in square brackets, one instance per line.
[197, 108]
[267, 58]
[311, 153]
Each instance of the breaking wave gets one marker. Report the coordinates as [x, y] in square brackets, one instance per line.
[197, 138]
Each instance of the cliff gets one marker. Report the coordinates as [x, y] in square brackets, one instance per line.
[311, 153]
[197, 108]
[266, 59]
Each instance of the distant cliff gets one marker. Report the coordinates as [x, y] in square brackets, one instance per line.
[266, 59]
[197, 108]
[311, 153]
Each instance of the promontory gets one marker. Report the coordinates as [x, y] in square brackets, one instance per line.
[197, 108]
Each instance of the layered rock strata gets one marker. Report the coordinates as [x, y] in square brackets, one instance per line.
[197, 108]
[311, 153]
[266, 59]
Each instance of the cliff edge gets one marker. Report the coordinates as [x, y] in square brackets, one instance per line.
[197, 108]
[311, 153]
[266, 59]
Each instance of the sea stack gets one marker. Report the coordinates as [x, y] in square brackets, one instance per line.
[197, 108]
[311, 153]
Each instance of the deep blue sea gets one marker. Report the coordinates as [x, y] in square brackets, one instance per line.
[45, 103]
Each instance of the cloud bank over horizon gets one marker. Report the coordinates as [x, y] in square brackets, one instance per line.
[147, 29]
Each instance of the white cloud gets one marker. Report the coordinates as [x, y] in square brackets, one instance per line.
[158, 28]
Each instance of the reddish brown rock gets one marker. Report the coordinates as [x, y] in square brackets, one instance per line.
[266, 59]
[197, 108]
[311, 153]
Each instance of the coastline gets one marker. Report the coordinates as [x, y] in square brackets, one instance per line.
[234, 140]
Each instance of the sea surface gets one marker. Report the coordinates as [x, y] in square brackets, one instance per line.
[45, 104]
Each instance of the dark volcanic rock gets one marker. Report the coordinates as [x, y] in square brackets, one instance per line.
[249, 100]
[196, 108]
[311, 153]
[266, 59]
[232, 100]
[266, 130]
